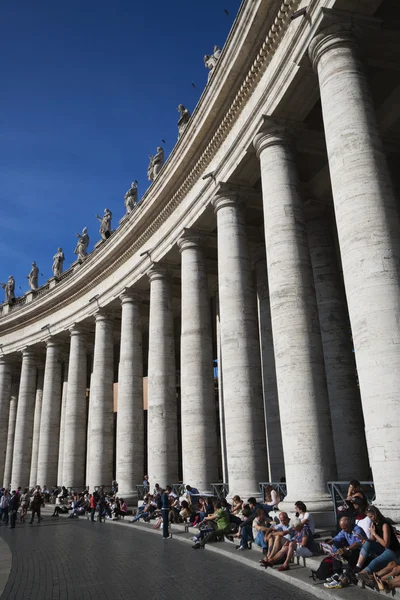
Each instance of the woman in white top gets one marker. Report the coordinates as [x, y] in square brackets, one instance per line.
[304, 516]
[272, 498]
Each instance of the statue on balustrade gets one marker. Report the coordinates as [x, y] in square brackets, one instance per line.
[82, 244]
[156, 163]
[131, 197]
[9, 288]
[58, 261]
[211, 60]
[105, 224]
[183, 119]
[33, 277]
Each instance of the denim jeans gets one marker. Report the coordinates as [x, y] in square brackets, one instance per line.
[384, 556]
[260, 539]
[246, 535]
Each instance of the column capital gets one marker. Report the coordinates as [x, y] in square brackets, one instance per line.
[132, 296]
[77, 329]
[230, 194]
[157, 272]
[336, 28]
[276, 132]
[6, 360]
[102, 315]
[52, 342]
[28, 352]
[192, 238]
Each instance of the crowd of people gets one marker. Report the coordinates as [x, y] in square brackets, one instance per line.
[366, 549]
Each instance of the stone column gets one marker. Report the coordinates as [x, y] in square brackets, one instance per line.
[276, 463]
[221, 409]
[162, 440]
[198, 410]
[243, 398]
[369, 237]
[5, 394]
[130, 417]
[64, 394]
[341, 375]
[11, 431]
[300, 370]
[33, 481]
[51, 414]
[76, 412]
[101, 399]
[24, 421]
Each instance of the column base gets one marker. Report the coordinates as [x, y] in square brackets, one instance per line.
[321, 509]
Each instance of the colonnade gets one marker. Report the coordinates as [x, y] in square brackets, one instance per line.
[285, 354]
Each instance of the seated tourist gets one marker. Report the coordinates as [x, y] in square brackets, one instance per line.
[246, 533]
[388, 578]
[349, 540]
[123, 508]
[170, 493]
[278, 535]
[190, 492]
[186, 512]
[304, 516]
[147, 512]
[271, 498]
[360, 516]
[221, 518]
[382, 547]
[299, 545]
[260, 527]
[157, 489]
[355, 491]
[175, 509]
[237, 506]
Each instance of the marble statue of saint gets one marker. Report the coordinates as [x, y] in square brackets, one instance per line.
[9, 288]
[150, 169]
[211, 60]
[105, 224]
[183, 119]
[158, 161]
[131, 197]
[58, 261]
[33, 277]
[82, 244]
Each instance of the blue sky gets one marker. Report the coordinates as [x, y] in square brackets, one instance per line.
[88, 90]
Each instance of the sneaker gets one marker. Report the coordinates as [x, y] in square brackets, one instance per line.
[333, 585]
[241, 548]
[335, 577]
[196, 546]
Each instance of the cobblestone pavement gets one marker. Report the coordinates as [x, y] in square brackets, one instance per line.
[62, 559]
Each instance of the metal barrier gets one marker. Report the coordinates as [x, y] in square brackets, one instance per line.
[141, 491]
[338, 492]
[179, 489]
[278, 486]
[220, 490]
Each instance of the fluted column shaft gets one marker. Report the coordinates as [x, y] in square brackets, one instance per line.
[51, 414]
[24, 422]
[369, 237]
[102, 398]
[64, 394]
[243, 398]
[5, 394]
[36, 427]
[130, 418]
[300, 370]
[344, 396]
[276, 462]
[76, 413]
[11, 431]
[198, 407]
[162, 404]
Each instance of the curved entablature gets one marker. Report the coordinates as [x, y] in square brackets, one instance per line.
[221, 102]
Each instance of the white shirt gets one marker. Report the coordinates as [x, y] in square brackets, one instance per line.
[310, 520]
[365, 524]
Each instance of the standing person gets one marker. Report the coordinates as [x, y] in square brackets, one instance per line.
[4, 506]
[92, 505]
[13, 508]
[146, 485]
[165, 506]
[37, 502]
[25, 498]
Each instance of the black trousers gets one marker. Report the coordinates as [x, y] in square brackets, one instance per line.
[37, 511]
[13, 518]
[165, 531]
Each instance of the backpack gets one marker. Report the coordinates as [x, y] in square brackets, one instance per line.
[328, 566]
